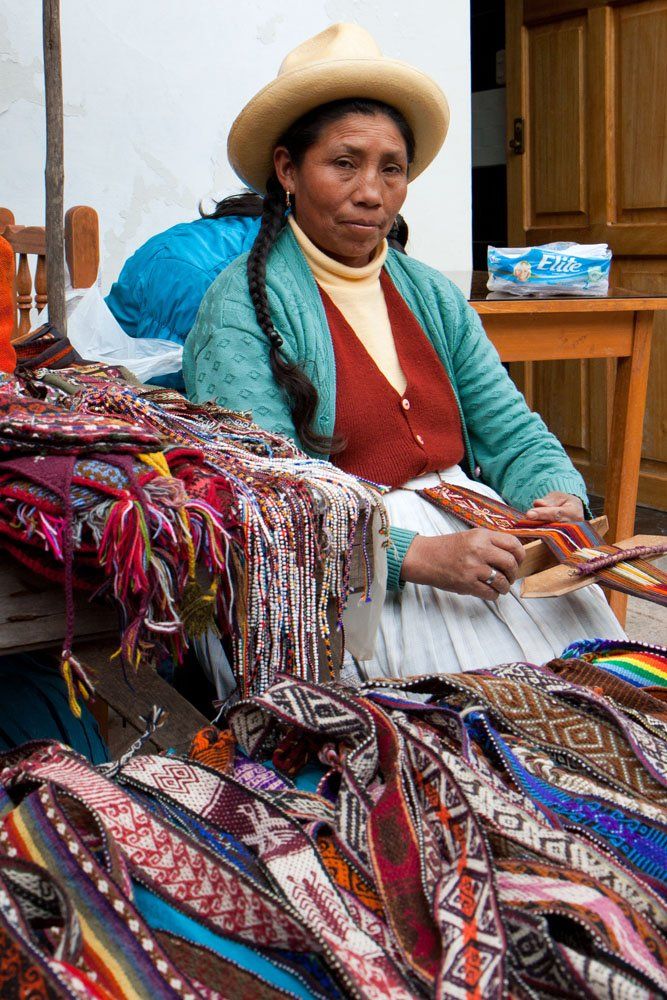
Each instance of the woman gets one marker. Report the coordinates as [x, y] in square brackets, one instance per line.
[372, 357]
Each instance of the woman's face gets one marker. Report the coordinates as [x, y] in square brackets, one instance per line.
[349, 186]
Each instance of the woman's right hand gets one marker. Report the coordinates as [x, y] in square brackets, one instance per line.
[463, 562]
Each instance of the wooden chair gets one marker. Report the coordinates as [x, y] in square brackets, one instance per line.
[82, 252]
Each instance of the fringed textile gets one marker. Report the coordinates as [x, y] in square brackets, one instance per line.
[192, 518]
[297, 518]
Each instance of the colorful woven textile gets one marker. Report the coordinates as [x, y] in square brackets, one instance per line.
[101, 522]
[432, 737]
[635, 663]
[228, 529]
[640, 701]
[31, 426]
[214, 749]
[577, 543]
[45, 347]
[495, 834]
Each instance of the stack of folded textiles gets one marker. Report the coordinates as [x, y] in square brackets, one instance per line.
[192, 517]
[501, 833]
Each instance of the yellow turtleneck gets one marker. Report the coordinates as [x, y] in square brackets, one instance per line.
[357, 292]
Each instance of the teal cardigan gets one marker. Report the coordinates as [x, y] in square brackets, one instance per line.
[226, 358]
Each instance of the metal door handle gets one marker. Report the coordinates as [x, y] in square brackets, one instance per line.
[516, 142]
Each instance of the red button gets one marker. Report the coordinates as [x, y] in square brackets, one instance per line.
[405, 403]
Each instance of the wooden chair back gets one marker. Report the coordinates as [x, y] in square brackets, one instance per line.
[82, 252]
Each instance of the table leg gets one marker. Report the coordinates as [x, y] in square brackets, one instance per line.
[625, 444]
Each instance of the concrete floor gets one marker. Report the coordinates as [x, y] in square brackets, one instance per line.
[647, 622]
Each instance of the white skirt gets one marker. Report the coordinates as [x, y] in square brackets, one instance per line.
[423, 630]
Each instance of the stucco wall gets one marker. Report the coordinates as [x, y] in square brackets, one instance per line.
[152, 86]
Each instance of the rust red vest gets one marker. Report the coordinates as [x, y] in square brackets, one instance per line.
[392, 438]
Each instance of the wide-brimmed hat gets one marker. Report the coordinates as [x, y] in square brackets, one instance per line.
[342, 61]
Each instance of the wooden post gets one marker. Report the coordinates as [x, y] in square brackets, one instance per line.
[55, 170]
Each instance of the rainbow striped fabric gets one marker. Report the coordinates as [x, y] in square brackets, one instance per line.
[633, 662]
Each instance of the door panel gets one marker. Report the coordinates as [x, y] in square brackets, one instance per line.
[554, 73]
[640, 36]
[556, 60]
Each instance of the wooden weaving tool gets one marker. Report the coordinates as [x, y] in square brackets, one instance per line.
[538, 557]
[577, 547]
[562, 578]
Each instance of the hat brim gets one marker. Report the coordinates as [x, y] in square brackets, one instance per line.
[255, 133]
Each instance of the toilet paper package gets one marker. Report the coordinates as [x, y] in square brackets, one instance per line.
[551, 269]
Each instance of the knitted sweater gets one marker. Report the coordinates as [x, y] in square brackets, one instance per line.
[421, 422]
[226, 358]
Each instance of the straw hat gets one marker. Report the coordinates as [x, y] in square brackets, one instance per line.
[342, 61]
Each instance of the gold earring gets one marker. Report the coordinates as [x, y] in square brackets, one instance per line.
[287, 199]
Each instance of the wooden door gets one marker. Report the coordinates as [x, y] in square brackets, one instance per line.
[589, 80]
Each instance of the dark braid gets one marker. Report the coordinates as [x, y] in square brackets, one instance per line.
[246, 205]
[398, 234]
[300, 391]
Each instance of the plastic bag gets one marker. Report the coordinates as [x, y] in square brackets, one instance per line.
[94, 332]
[551, 269]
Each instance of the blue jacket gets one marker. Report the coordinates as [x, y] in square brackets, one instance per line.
[162, 284]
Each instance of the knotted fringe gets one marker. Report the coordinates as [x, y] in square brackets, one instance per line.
[604, 560]
[144, 546]
[229, 527]
[153, 720]
[76, 681]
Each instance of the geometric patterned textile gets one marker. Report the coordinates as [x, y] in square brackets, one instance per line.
[576, 543]
[501, 833]
[27, 423]
[435, 747]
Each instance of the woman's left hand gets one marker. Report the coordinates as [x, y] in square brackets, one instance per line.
[556, 507]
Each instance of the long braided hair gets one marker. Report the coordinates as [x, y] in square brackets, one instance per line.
[300, 391]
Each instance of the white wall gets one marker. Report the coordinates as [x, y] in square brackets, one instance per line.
[152, 86]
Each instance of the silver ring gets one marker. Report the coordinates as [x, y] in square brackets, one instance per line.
[491, 577]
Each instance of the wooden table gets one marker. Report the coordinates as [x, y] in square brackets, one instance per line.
[32, 618]
[616, 326]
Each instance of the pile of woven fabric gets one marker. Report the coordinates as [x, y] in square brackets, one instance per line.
[501, 833]
[191, 517]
